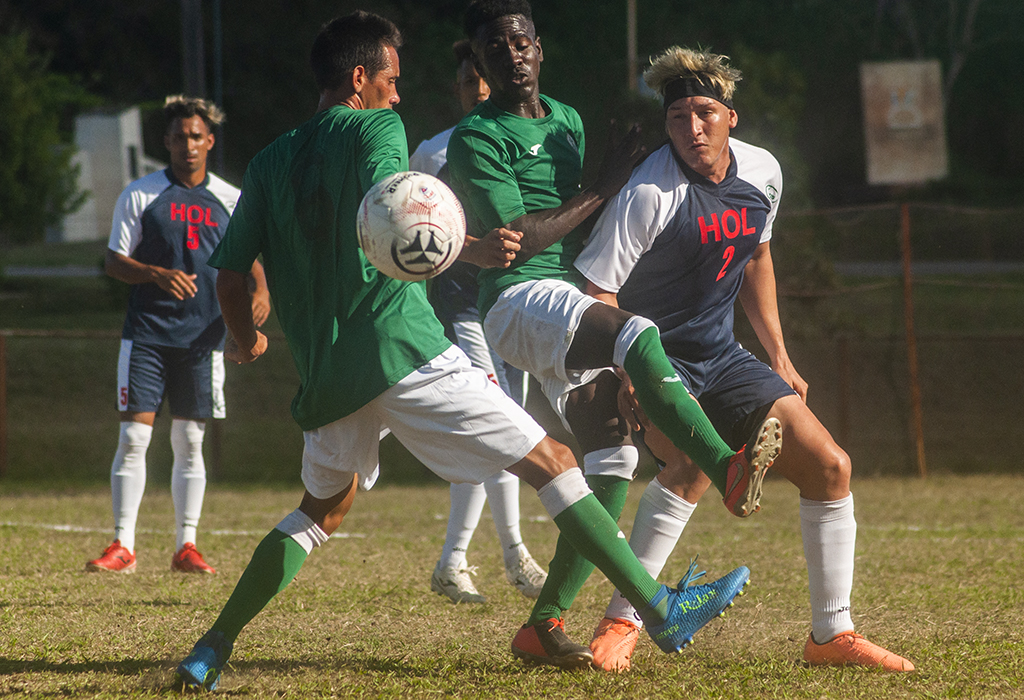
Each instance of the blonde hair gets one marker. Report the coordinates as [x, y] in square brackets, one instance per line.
[181, 107]
[678, 62]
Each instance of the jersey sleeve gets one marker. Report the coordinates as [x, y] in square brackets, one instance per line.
[481, 170]
[383, 148]
[243, 239]
[126, 231]
[775, 181]
[625, 230]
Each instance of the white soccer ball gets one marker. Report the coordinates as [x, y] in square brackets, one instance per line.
[411, 226]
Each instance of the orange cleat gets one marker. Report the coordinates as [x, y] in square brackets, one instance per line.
[613, 644]
[188, 560]
[115, 558]
[747, 468]
[851, 649]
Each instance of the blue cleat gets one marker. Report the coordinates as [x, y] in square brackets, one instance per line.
[690, 607]
[201, 668]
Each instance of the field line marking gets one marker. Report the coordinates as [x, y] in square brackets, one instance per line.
[144, 531]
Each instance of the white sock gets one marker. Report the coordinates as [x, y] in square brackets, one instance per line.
[467, 503]
[660, 519]
[830, 535]
[564, 490]
[128, 479]
[301, 528]
[188, 477]
[503, 498]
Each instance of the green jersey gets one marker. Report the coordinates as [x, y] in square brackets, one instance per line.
[503, 166]
[352, 331]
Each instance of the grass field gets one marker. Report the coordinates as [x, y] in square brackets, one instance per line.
[937, 579]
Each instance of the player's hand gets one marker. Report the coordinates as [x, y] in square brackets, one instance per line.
[620, 157]
[789, 375]
[260, 307]
[239, 356]
[175, 282]
[497, 249]
[629, 407]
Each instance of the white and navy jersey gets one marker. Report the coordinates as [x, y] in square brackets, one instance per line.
[673, 245]
[159, 221]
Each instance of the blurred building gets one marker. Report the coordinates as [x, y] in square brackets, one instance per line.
[110, 155]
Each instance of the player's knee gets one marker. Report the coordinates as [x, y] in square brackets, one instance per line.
[836, 470]
[544, 462]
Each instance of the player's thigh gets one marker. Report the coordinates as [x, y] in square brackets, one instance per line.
[141, 377]
[456, 421]
[532, 326]
[195, 384]
[332, 454]
[810, 458]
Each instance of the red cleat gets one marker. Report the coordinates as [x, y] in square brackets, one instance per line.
[115, 558]
[613, 644]
[188, 560]
[747, 468]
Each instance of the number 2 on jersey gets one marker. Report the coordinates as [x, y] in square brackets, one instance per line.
[727, 256]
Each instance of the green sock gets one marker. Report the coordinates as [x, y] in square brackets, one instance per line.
[588, 527]
[671, 408]
[273, 566]
[569, 570]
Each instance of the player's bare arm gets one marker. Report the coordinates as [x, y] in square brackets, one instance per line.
[544, 228]
[175, 282]
[260, 295]
[498, 248]
[244, 343]
[760, 303]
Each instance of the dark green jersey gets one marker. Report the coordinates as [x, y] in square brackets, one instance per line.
[503, 166]
[353, 332]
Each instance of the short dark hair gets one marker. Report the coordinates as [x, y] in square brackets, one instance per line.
[463, 51]
[181, 107]
[354, 40]
[480, 12]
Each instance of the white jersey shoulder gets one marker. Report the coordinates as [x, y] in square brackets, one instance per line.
[431, 155]
[126, 231]
[223, 190]
[632, 220]
[760, 168]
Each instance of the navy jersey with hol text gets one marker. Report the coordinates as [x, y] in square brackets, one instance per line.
[673, 245]
[159, 221]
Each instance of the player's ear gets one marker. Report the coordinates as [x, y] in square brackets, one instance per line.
[733, 119]
[358, 79]
[540, 51]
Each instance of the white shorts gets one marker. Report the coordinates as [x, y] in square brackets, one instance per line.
[448, 414]
[532, 325]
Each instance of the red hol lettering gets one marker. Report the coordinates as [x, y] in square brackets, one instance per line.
[747, 230]
[195, 214]
[209, 221]
[177, 212]
[733, 230]
[705, 229]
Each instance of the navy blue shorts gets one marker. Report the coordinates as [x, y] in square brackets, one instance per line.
[192, 380]
[732, 388]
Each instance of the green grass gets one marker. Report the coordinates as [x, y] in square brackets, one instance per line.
[936, 580]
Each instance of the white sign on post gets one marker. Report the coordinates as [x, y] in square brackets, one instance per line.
[904, 122]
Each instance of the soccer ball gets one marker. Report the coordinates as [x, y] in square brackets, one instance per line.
[411, 226]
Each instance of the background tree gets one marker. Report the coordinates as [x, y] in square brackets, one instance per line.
[37, 180]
